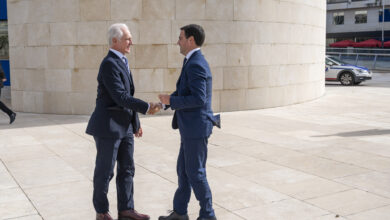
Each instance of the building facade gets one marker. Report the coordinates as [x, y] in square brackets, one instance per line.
[262, 53]
[357, 20]
[4, 49]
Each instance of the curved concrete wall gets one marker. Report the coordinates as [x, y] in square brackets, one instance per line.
[263, 53]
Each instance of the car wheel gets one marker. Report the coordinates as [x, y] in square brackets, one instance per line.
[346, 79]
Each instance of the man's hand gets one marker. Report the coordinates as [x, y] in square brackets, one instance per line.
[139, 133]
[165, 99]
[154, 108]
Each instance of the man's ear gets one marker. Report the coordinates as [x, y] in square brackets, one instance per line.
[192, 40]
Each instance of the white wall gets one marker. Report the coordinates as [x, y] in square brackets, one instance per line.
[263, 53]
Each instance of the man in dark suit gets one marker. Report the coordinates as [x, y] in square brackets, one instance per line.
[3, 107]
[194, 118]
[113, 124]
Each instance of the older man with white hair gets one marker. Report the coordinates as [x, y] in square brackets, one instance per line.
[113, 124]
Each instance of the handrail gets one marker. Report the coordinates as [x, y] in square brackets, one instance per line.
[367, 54]
[358, 49]
[359, 56]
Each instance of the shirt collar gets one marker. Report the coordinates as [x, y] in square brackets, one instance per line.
[119, 54]
[189, 54]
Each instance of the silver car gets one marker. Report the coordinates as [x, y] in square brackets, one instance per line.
[347, 74]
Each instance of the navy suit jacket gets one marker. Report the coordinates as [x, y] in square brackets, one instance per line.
[192, 99]
[115, 114]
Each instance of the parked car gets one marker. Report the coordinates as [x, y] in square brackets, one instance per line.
[347, 74]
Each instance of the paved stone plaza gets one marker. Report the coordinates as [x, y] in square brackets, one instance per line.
[308, 161]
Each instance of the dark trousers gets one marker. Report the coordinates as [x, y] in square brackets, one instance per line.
[5, 109]
[109, 151]
[191, 171]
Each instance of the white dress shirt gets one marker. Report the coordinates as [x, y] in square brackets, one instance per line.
[189, 54]
[120, 55]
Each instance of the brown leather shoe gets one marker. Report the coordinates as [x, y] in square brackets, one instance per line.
[103, 216]
[132, 215]
[174, 216]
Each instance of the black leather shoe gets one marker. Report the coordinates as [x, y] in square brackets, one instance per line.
[12, 117]
[211, 218]
[174, 216]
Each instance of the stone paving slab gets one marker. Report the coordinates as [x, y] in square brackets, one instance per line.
[316, 160]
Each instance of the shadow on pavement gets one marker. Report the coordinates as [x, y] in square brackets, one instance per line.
[25, 120]
[370, 132]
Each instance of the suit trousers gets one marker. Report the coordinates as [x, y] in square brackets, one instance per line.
[108, 151]
[191, 171]
[5, 109]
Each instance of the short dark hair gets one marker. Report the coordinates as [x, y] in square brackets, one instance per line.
[196, 31]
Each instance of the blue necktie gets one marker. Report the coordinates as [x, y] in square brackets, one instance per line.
[127, 64]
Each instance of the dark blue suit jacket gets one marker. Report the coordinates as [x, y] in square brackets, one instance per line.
[115, 114]
[192, 99]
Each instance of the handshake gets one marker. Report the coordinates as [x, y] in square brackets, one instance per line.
[155, 107]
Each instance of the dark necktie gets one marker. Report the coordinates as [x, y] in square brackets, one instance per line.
[128, 71]
[178, 80]
[127, 64]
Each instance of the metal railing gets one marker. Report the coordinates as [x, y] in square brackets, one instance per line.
[342, 1]
[378, 59]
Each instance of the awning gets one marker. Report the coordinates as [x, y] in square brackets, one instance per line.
[368, 43]
[386, 44]
[343, 43]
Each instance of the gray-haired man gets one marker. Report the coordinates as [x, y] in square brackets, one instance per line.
[113, 124]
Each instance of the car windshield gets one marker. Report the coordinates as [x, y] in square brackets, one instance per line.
[338, 60]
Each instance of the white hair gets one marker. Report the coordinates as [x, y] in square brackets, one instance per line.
[115, 31]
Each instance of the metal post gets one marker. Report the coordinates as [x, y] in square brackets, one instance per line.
[357, 58]
[383, 21]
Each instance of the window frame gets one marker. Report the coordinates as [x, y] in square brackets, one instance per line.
[337, 18]
[358, 17]
[4, 42]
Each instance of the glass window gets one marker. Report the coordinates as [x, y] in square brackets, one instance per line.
[336, 60]
[360, 17]
[336, 1]
[387, 15]
[338, 18]
[360, 39]
[3, 9]
[4, 47]
[329, 62]
[343, 1]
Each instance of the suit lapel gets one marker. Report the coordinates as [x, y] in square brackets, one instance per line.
[132, 88]
[183, 68]
[181, 75]
[127, 75]
[123, 66]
